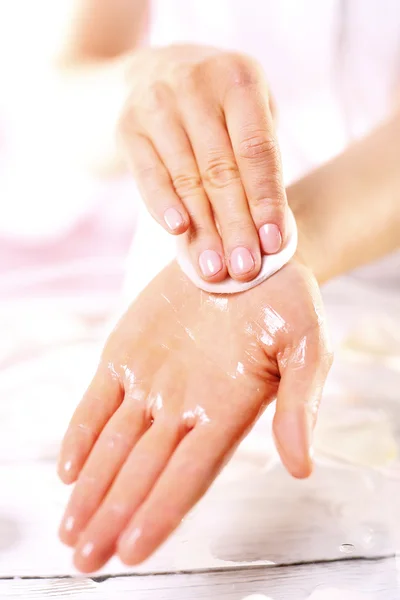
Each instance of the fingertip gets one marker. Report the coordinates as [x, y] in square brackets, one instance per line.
[176, 221]
[178, 231]
[82, 563]
[67, 470]
[76, 447]
[126, 555]
[218, 278]
[271, 238]
[211, 266]
[303, 471]
[67, 532]
[67, 479]
[89, 557]
[244, 264]
[292, 437]
[128, 549]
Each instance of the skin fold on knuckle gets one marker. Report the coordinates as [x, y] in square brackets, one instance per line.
[158, 99]
[150, 179]
[261, 148]
[199, 237]
[271, 202]
[187, 185]
[189, 79]
[243, 71]
[321, 353]
[220, 173]
[237, 229]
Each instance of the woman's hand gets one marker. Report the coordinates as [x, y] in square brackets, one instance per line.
[198, 133]
[182, 379]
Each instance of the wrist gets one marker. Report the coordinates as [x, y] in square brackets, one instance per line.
[310, 249]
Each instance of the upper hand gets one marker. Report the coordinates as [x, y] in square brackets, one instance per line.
[198, 133]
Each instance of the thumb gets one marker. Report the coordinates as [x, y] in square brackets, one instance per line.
[303, 374]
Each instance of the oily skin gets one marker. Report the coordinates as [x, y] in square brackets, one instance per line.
[182, 379]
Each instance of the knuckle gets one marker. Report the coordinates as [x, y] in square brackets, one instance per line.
[275, 201]
[198, 230]
[126, 124]
[88, 432]
[151, 180]
[260, 147]
[157, 97]
[187, 78]
[236, 223]
[155, 100]
[116, 439]
[329, 357]
[324, 352]
[186, 184]
[147, 174]
[243, 71]
[220, 173]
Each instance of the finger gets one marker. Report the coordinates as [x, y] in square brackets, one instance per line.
[303, 376]
[141, 470]
[251, 129]
[173, 146]
[193, 467]
[220, 175]
[110, 452]
[102, 398]
[155, 184]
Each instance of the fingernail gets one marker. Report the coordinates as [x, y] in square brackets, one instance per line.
[68, 524]
[130, 538]
[65, 469]
[173, 219]
[67, 466]
[270, 237]
[87, 549]
[210, 263]
[241, 261]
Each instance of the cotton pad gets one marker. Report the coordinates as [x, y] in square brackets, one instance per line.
[271, 263]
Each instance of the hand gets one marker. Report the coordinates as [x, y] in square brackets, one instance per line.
[182, 379]
[198, 134]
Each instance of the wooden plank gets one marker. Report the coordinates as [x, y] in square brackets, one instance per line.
[344, 580]
[249, 517]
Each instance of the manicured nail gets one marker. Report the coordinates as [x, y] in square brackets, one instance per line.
[241, 261]
[210, 263]
[173, 219]
[271, 239]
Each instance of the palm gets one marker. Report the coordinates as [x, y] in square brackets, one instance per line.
[182, 378]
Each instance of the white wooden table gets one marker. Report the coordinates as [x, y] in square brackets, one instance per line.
[345, 580]
[332, 537]
[256, 531]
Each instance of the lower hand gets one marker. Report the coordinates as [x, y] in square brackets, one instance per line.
[182, 379]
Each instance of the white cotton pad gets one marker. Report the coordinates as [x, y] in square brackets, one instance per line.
[271, 263]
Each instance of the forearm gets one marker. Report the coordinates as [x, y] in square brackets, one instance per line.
[348, 210]
[102, 29]
[90, 76]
